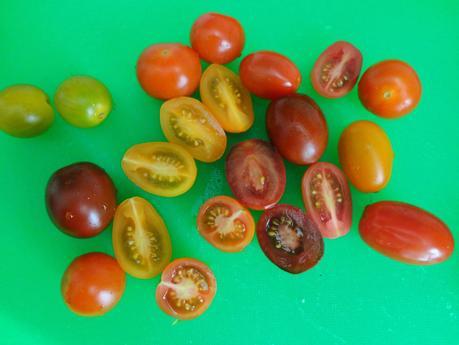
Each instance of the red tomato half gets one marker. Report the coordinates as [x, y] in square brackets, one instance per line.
[327, 199]
[406, 233]
[336, 70]
[256, 174]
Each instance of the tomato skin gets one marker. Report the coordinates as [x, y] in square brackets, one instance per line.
[93, 284]
[406, 233]
[217, 38]
[366, 155]
[297, 128]
[390, 89]
[269, 74]
[169, 70]
[81, 199]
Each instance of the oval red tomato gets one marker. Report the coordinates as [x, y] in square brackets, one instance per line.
[406, 233]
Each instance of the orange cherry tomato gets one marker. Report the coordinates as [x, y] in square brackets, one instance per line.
[390, 89]
[366, 155]
[226, 224]
[187, 288]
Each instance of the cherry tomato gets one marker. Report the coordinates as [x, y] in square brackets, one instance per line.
[217, 38]
[289, 238]
[187, 288]
[297, 128]
[81, 199]
[390, 89]
[140, 239]
[25, 111]
[269, 75]
[327, 199]
[93, 284]
[188, 122]
[226, 224]
[164, 169]
[83, 101]
[336, 70]
[169, 70]
[256, 174]
[366, 155]
[228, 100]
[406, 233]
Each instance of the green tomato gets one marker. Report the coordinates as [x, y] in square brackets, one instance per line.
[83, 101]
[25, 111]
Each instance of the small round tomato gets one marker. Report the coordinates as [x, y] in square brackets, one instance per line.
[406, 233]
[83, 101]
[226, 224]
[25, 111]
[140, 239]
[164, 169]
[81, 199]
[289, 238]
[297, 128]
[217, 38]
[269, 75]
[336, 70]
[169, 70]
[390, 89]
[256, 174]
[366, 155]
[228, 100]
[187, 288]
[93, 284]
[188, 122]
[327, 199]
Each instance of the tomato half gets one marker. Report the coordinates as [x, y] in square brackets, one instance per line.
[93, 284]
[169, 70]
[336, 70]
[269, 74]
[226, 224]
[228, 100]
[256, 174]
[187, 288]
[188, 122]
[164, 169]
[390, 89]
[327, 199]
[406, 233]
[140, 239]
[217, 38]
[289, 238]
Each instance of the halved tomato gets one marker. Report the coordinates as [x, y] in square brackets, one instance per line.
[256, 174]
[188, 122]
[327, 199]
[186, 289]
[164, 169]
[336, 70]
[228, 100]
[140, 239]
[226, 224]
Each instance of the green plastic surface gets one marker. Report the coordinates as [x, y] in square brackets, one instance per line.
[354, 296]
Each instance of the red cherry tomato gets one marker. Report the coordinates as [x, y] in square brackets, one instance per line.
[297, 128]
[256, 174]
[289, 238]
[169, 70]
[336, 70]
[406, 233]
[269, 75]
[93, 284]
[327, 199]
[217, 38]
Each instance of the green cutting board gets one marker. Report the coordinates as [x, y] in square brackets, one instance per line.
[353, 296]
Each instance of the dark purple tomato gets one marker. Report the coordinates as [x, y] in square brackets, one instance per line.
[81, 199]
